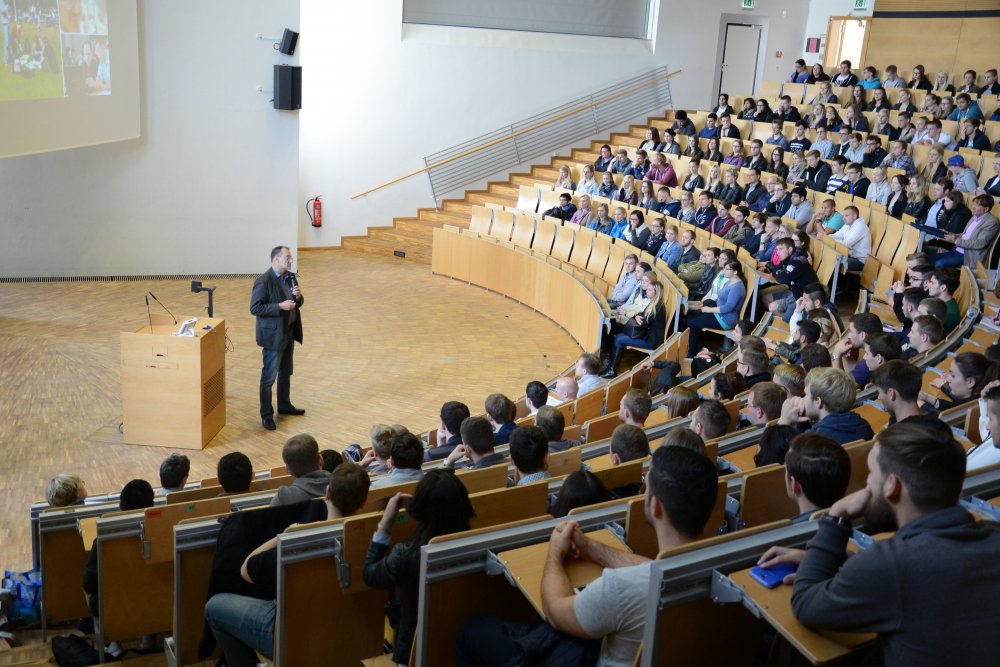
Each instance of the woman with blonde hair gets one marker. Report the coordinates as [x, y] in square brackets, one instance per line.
[935, 168]
[564, 181]
[627, 193]
[65, 489]
[917, 201]
[645, 330]
[714, 179]
[588, 184]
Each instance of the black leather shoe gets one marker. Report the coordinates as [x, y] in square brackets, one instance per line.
[292, 411]
[269, 424]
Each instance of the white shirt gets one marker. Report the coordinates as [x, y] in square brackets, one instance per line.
[857, 239]
[984, 455]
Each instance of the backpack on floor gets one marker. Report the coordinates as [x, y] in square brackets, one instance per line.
[74, 651]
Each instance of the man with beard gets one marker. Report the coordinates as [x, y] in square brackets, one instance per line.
[940, 564]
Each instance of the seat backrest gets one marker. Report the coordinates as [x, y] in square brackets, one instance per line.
[503, 225]
[524, 230]
[527, 198]
[563, 245]
[545, 234]
[482, 218]
[599, 254]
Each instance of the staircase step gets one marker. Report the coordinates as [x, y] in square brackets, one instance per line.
[438, 218]
[379, 246]
[504, 189]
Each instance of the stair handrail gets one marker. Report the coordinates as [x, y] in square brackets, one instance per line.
[512, 135]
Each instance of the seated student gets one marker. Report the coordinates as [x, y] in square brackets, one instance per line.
[564, 210]
[925, 332]
[846, 353]
[648, 332]
[775, 440]
[764, 403]
[332, 458]
[792, 378]
[914, 485]
[724, 313]
[973, 246]
[943, 284]
[477, 445]
[65, 489]
[826, 407]
[962, 383]
[856, 236]
[815, 355]
[453, 414]
[579, 489]
[628, 443]
[244, 624]
[529, 452]
[725, 386]
[566, 390]
[621, 162]
[635, 407]
[173, 474]
[879, 348]
[681, 492]
[137, 494]
[754, 366]
[898, 385]
[587, 372]
[684, 437]
[536, 394]
[710, 420]
[500, 412]
[440, 505]
[987, 453]
[376, 459]
[553, 424]
[681, 401]
[905, 304]
[406, 456]
[627, 282]
[235, 473]
[807, 331]
[303, 462]
[817, 472]
[793, 274]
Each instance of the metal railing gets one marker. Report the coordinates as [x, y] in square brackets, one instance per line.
[524, 140]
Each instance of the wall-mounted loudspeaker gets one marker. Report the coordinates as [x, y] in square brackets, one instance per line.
[287, 87]
[288, 42]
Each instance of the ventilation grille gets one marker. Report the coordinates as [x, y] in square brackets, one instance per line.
[102, 279]
[213, 392]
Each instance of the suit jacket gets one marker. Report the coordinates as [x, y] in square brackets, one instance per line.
[978, 247]
[272, 322]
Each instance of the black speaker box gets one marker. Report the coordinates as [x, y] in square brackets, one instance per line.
[287, 87]
[288, 42]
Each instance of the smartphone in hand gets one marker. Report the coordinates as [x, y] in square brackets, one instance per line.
[772, 576]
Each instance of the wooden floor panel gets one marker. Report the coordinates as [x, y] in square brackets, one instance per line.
[385, 341]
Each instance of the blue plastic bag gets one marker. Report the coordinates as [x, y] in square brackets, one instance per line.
[25, 592]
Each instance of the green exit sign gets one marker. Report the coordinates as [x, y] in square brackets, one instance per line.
[748, 4]
[861, 4]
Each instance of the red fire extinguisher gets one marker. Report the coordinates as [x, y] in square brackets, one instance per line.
[316, 214]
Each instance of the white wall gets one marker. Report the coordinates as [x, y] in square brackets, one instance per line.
[378, 96]
[210, 186]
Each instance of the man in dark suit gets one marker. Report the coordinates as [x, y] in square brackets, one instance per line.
[275, 301]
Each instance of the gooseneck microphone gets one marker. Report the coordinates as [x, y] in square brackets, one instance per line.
[163, 307]
[149, 315]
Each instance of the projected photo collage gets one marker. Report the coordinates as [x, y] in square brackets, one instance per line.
[54, 48]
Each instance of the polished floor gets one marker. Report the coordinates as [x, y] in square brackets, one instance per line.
[385, 341]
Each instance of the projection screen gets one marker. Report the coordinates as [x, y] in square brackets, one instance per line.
[69, 75]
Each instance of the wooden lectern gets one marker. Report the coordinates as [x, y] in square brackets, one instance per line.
[174, 387]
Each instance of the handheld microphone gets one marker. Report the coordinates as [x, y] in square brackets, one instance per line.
[164, 307]
[293, 280]
[149, 315]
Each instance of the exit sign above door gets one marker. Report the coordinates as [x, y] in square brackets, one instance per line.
[748, 4]
[861, 4]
